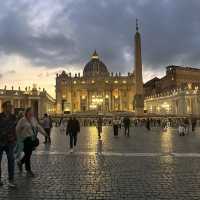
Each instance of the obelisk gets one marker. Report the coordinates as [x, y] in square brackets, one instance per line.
[139, 94]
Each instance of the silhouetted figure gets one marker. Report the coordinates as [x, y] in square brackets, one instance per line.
[194, 122]
[73, 128]
[126, 122]
[99, 126]
[148, 126]
[116, 125]
[60, 121]
[20, 115]
[7, 140]
[181, 130]
[187, 125]
[47, 125]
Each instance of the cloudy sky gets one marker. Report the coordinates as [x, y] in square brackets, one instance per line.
[40, 38]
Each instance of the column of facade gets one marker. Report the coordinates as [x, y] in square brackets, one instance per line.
[18, 103]
[198, 103]
[195, 105]
[42, 108]
[58, 105]
[87, 100]
[12, 101]
[182, 105]
[190, 104]
[104, 100]
[111, 101]
[120, 100]
[71, 102]
[79, 101]
[173, 107]
[176, 113]
[29, 102]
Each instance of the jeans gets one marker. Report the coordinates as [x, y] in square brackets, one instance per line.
[28, 149]
[9, 149]
[115, 128]
[126, 130]
[73, 139]
[48, 137]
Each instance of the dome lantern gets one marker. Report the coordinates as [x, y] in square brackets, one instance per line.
[95, 55]
[95, 67]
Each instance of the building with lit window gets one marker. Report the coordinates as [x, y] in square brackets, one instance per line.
[96, 90]
[177, 102]
[176, 77]
[177, 93]
[39, 100]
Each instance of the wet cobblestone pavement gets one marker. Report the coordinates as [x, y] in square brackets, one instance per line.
[149, 165]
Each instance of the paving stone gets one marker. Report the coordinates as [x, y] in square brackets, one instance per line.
[121, 171]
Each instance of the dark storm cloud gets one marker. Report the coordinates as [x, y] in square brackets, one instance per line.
[17, 37]
[169, 28]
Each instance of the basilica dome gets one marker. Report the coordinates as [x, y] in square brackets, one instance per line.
[95, 67]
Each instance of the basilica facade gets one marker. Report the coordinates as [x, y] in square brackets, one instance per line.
[98, 89]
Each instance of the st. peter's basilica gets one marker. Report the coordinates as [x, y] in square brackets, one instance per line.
[100, 90]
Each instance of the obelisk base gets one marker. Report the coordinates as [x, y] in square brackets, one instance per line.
[139, 105]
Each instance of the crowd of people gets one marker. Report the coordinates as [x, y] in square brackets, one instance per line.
[19, 134]
[19, 138]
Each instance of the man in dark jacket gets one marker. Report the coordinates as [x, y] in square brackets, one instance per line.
[99, 126]
[148, 125]
[194, 122]
[126, 123]
[8, 140]
[73, 128]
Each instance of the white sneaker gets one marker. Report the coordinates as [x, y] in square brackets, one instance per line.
[71, 150]
[12, 184]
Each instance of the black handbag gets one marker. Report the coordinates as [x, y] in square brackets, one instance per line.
[35, 140]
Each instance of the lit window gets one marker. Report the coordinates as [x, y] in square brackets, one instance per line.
[124, 82]
[107, 96]
[116, 81]
[74, 82]
[83, 97]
